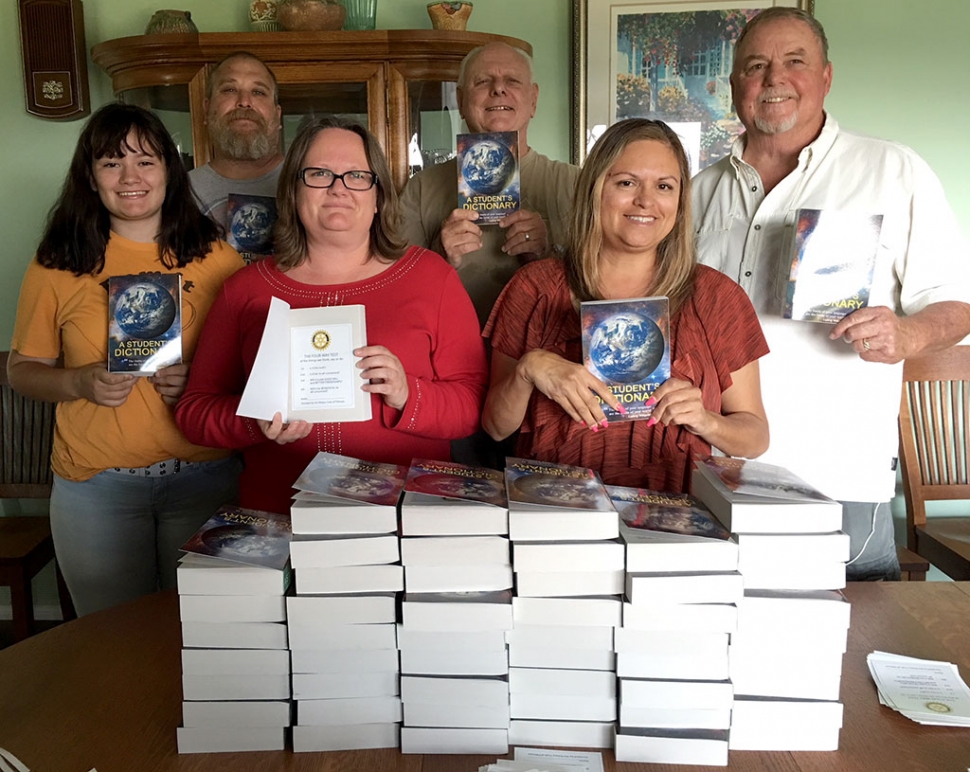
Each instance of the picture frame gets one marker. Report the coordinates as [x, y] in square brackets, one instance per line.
[663, 59]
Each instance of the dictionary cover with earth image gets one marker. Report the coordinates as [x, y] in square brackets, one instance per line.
[488, 174]
[337, 479]
[451, 480]
[448, 499]
[556, 502]
[532, 483]
[671, 532]
[677, 513]
[743, 477]
[626, 344]
[244, 536]
[755, 497]
[345, 496]
[827, 273]
[144, 322]
[251, 220]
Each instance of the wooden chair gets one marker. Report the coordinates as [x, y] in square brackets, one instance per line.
[26, 545]
[934, 425]
[912, 567]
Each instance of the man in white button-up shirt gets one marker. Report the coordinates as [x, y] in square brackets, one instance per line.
[831, 393]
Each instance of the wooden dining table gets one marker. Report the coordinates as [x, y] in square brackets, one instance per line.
[104, 692]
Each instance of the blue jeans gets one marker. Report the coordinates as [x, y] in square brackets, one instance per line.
[117, 535]
[872, 542]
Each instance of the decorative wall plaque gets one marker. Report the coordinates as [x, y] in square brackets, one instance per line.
[55, 63]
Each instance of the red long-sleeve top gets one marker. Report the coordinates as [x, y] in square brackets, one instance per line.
[417, 308]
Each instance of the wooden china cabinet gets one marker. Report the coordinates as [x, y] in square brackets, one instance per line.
[400, 83]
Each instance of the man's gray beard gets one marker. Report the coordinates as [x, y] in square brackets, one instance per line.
[773, 127]
[241, 147]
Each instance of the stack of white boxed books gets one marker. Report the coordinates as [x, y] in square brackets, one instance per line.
[342, 619]
[235, 666]
[786, 655]
[456, 610]
[682, 591]
[569, 576]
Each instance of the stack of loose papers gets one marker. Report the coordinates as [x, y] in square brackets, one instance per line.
[924, 690]
[544, 760]
[505, 765]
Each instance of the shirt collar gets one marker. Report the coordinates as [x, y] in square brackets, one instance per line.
[816, 149]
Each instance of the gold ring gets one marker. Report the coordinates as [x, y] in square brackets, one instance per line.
[527, 237]
[865, 343]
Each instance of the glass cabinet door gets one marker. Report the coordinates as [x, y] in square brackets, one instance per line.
[423, 104]
[428, 113]
[355, 92]
[304, 102]
[433, 123]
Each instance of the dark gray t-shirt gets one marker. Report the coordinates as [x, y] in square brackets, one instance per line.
[245, 208]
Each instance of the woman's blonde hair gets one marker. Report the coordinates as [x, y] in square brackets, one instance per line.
[290, 235]
[675, 254]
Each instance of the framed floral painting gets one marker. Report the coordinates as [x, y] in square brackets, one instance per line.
[664, 59]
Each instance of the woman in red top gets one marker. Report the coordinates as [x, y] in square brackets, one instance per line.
[337, 243]
[631, 237]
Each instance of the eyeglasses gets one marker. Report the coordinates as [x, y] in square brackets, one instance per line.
[356, 179]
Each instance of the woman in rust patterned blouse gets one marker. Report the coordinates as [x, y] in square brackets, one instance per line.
[631, 237]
